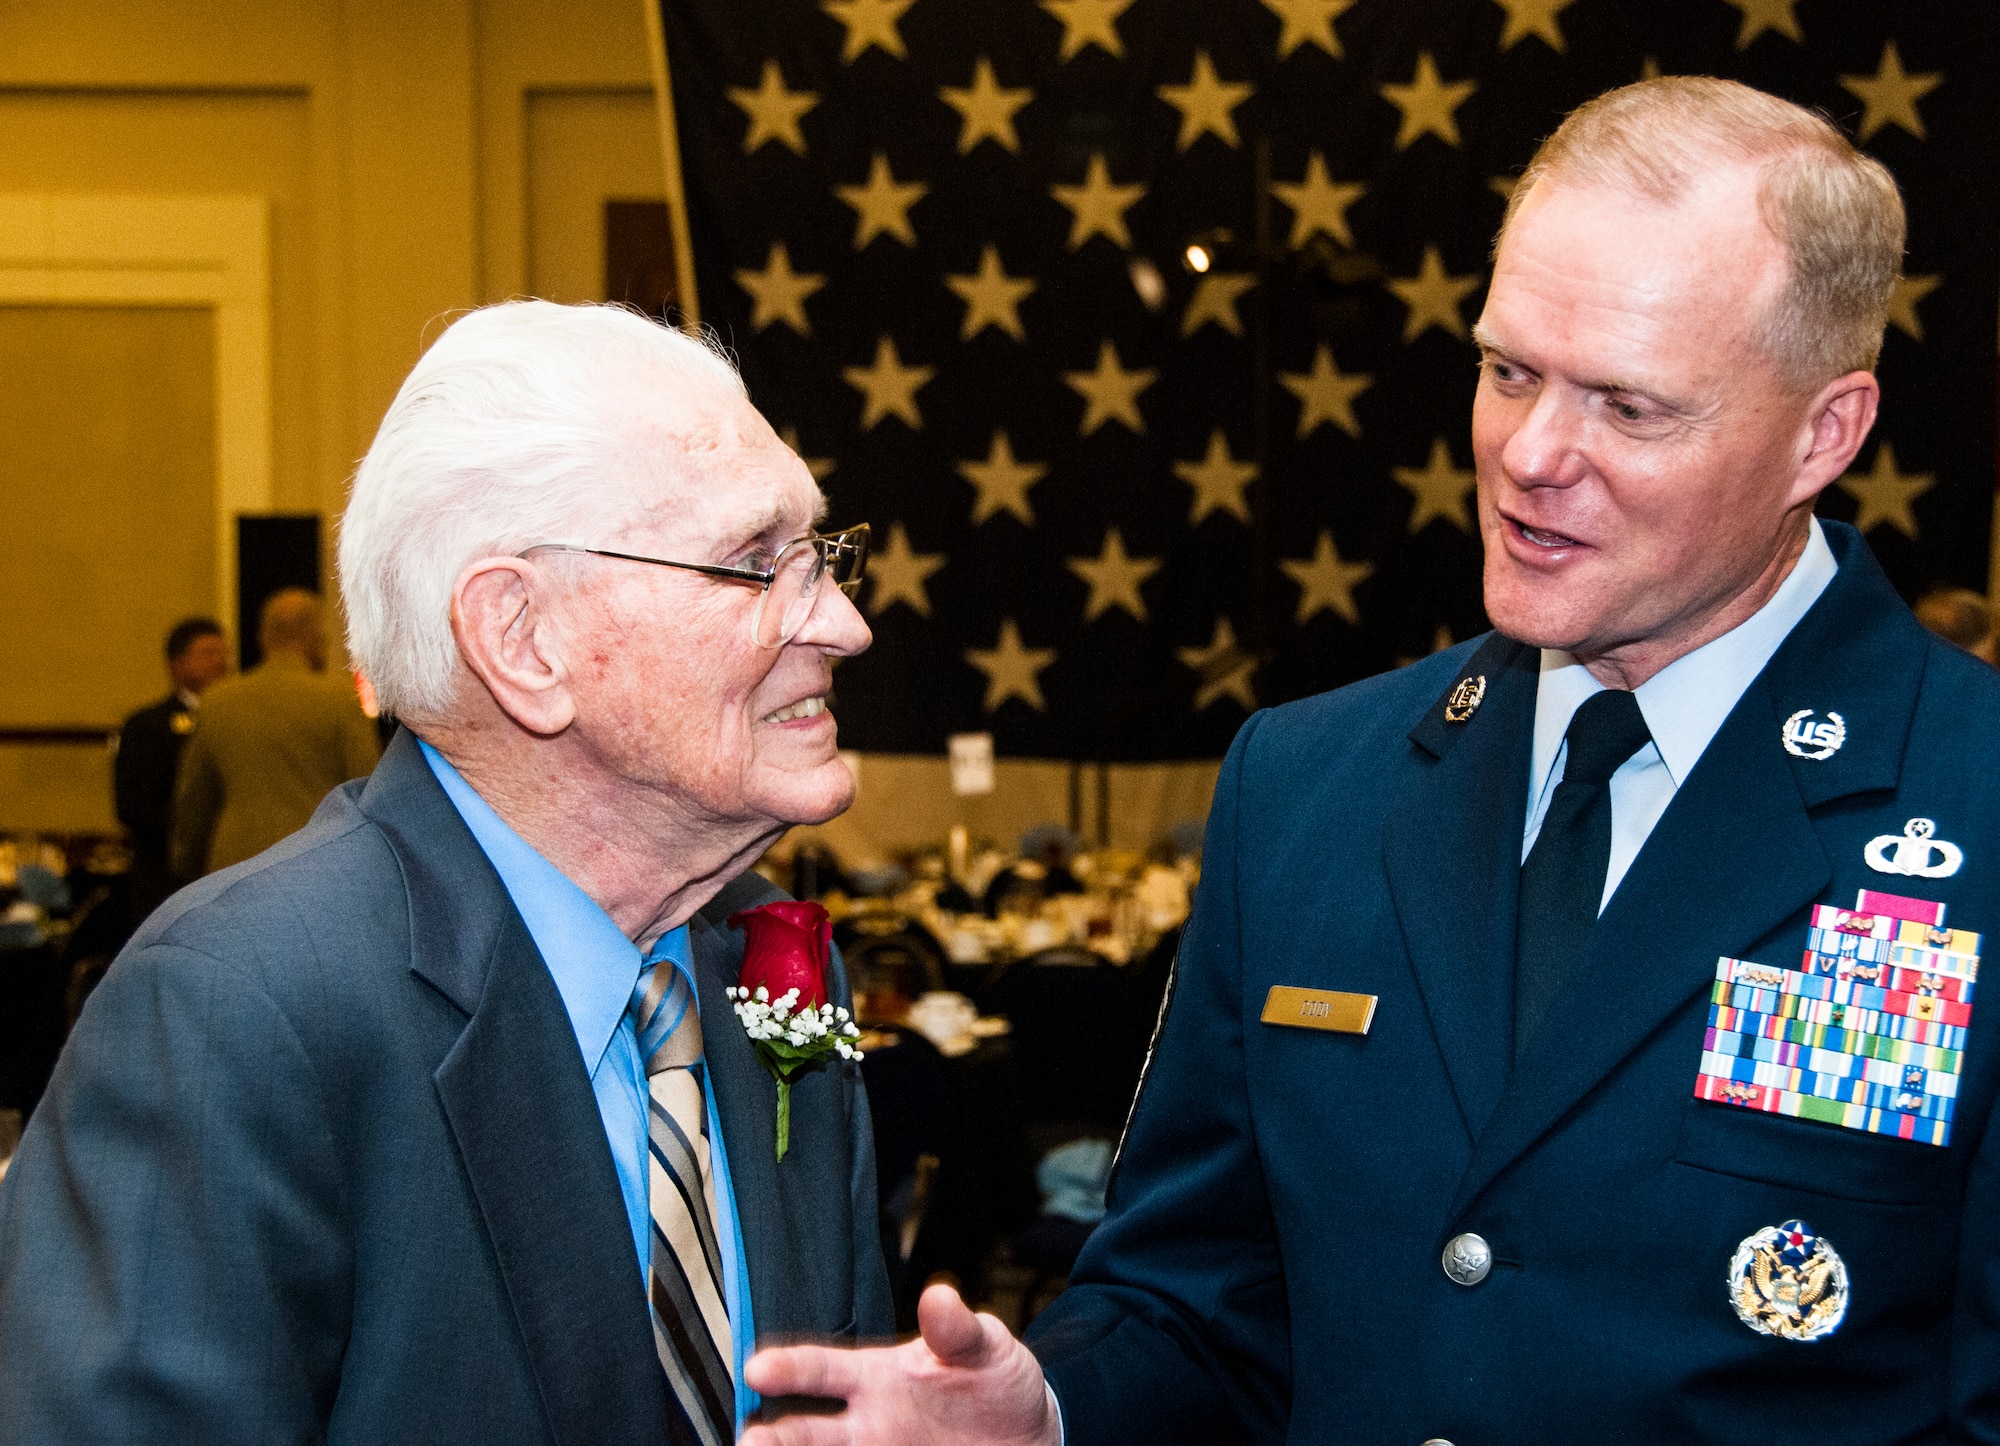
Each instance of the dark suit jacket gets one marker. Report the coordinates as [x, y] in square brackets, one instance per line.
[142, 776]
[321, 1162]
[1270, 1267]
[142, 792]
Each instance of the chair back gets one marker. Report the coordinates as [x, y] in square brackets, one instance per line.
[903, 961]
[1078, 1037]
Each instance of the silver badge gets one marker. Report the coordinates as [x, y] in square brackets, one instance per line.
[1914, 853]
[1817, 741]
[1787, 1282]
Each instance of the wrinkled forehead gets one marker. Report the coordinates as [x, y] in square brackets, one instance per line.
[707, 469]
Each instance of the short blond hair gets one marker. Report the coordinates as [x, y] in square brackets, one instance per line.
[1836, 211]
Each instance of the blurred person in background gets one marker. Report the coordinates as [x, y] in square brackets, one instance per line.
[149, 754]
[1960, 615]
[269, 745]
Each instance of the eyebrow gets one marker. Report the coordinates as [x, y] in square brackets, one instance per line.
[1484, 340]
[766, 526]
[759, 529]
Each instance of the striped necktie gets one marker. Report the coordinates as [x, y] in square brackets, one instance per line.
[684, 1276]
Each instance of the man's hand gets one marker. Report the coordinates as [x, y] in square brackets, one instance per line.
[966, 1382]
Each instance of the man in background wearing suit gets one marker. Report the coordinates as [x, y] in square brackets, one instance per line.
[149, 752]
[433, 1123]
[1575, 1036]
[270, 744]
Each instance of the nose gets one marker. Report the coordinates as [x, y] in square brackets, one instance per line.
[835, 624]
[1544, 449]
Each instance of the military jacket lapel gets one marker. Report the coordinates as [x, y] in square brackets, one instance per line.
[1452, 853]
[1689, 898]
[1734, 856]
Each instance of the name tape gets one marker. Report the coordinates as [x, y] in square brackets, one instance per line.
[1328, 1009]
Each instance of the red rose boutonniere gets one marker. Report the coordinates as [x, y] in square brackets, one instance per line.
[781, 997]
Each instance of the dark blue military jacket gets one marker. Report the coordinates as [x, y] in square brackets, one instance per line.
[1271, 1265]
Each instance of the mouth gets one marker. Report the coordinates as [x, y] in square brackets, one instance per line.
[804, 708]
[1542, 539]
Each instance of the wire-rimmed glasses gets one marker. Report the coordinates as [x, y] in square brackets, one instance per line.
[790, 587]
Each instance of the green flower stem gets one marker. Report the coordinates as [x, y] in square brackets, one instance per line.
[785, 1060]
[784, 1116]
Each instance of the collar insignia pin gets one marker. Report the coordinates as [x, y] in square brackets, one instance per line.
[1817, 741]
[181, 723]
[1786, 1281]
[1464, 700]
[1915, 853]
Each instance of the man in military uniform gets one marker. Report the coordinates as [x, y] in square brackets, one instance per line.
[1575, 1038]
[149, 752]
[271, 744]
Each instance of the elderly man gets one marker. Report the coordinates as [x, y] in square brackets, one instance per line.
[433, 1123]
[270, 744]
[1575, 1037]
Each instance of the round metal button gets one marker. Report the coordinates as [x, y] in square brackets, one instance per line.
[1437, 1441]
[1467, 1260]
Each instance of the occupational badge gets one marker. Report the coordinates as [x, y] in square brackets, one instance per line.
[1817, 741]
[1916, 853]
[1787, 1282]
[1464, 700]
[1866, 1032]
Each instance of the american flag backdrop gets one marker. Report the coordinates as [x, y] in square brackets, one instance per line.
[1120, 501]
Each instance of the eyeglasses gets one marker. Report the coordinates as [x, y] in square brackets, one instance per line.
[790, 587]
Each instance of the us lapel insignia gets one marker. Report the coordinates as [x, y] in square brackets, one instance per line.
[1816, 741]
[1464, 700]
[1916, 854]
[1788, 1282]
[181, 723]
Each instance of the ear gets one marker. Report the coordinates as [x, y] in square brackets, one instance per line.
[501, 619]
[1838, 422]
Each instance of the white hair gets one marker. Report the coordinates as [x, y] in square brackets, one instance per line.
[507, 433]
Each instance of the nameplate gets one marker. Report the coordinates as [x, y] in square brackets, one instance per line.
[1329, 1009]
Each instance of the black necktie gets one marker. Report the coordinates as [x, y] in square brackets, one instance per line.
[1562, 882]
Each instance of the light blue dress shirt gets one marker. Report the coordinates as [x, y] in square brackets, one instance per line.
[595, 968]
[1683, 704]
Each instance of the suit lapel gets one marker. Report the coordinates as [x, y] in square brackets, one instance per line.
[1452, 853]
[788, 1294]
[1734, 856]
[526, 1123]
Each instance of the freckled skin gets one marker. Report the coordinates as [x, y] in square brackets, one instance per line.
[1627, 412]
[676, 707]
[616, 714]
